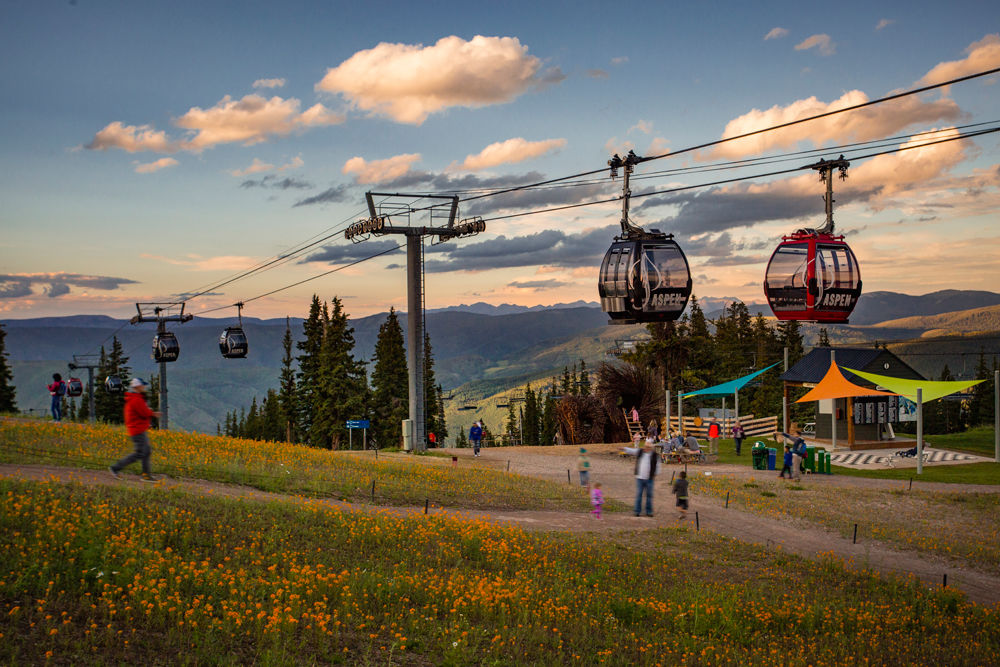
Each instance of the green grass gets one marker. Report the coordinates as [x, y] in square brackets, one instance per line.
[966, 473]
[112, 575]
[979, 440]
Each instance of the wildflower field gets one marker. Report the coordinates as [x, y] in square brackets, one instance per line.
[291, 469]
[963, 527]
[99, 575]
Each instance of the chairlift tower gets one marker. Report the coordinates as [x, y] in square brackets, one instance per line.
[161, 313]
[90, 362]
[379, 223]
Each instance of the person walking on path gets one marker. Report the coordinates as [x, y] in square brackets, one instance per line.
[646, 462]
[137, 420]
[57, 390]
[713, 436]
[787, 463]
[681, 491]
[583, 466]
[596, 500]
[476, 437]
[738, 435]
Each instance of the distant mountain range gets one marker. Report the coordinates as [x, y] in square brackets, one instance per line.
[478, 349]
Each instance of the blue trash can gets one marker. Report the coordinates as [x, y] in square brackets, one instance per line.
[772, 456]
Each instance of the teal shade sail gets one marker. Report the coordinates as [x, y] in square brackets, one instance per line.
[731, 387]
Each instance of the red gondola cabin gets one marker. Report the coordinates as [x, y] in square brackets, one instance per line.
[813, 277]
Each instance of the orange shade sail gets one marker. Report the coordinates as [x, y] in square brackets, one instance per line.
[835, 385]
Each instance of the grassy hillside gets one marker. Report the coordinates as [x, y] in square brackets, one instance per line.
[962, 321]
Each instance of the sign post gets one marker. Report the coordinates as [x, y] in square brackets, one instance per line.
[354, 424]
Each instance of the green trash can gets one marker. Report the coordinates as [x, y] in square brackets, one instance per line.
[826, 457]
[810, 461]
[759, 457]
[817, 459]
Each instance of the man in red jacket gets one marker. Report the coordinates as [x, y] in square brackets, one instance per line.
[137, 419]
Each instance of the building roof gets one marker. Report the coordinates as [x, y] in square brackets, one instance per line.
[813, 367]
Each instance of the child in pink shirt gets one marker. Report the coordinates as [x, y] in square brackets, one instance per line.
[596, 499]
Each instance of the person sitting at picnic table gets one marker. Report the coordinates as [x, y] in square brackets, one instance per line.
[674, 443]
[691, 445]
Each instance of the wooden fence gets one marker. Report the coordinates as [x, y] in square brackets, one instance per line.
[753, 428]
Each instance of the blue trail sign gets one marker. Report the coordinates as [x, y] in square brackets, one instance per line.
[358, 423]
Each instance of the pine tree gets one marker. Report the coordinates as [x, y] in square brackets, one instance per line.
[390, 384]
[532, 418]
[584, 379]
[286, 401]
[313, 329]
[567, 382]
[343, 391]
[433, 423]
[8, 394]
[108, 407]
[511, 426]
[548, 425]
[441, 423]
[461, 441]
[981, 403]
[824, 338]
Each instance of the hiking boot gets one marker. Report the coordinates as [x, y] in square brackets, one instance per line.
[146, 477]
[115, 473]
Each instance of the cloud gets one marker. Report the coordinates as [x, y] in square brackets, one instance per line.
[643, 126]
[132, 139]
[509, 152]
[884, 23]
[597, 73]
[272, 181]
[821, 42]
[55, 284]
[256, 167]
[408, 82]
[377, 171]
[776, 33]
[982, 55]
[538, 284]
[864, 124]
[619, 60]
[331, 195]
[268, 83]
[200, 263]
[346, 253]
[249, 121]
[150, 167]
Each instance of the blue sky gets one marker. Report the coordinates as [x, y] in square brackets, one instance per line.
[150, 149]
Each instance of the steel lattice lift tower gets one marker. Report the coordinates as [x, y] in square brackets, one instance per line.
[165, 347]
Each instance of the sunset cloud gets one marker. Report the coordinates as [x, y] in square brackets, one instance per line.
[249, 121]
[982, 55]
[861, 125]
[823, 43]
[509, 152]
[378, 171]
[258, 166]
[408, 82]
[776, 33]
[150, 167]
[200, 263]
[884, 23]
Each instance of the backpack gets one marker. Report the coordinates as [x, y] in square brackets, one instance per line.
[61, 388]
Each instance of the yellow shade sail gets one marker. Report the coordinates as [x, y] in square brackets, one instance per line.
[931, 389]
[835, 385]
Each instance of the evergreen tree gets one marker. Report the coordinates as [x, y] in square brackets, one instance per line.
[824, 338]
[153, 399]
[567, 382]
[584, 379]
[511, 426]
[433, 410]
[461, 441]
[308, 382]
[272, 419]
[286, 401]
[532, 418]
[8, 394]
[441, 423]
[574, 383]
[108, 407]
[390, 388]
[548, 424]
[981, 404]
[342, 394]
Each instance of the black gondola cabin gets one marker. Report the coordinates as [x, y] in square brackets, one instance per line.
[165, 347]
[113, 384]
[813, 277]
[644, 280]
[233, 343]
[74, 387]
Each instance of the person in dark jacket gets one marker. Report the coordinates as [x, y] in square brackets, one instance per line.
[681, 491]
[646, 462]
[138, 417]
[476, 437]
[738, 435]
[57, 390]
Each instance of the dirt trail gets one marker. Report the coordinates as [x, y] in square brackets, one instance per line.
[618, 483]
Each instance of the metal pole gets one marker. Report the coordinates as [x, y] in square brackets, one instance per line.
[415, 348]
[680, 412]
[920, 431]
[164, 424]
[90, 390]
[996, 416]
[784, 399]
[667, 392]
[736, 401]
[833, 410]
